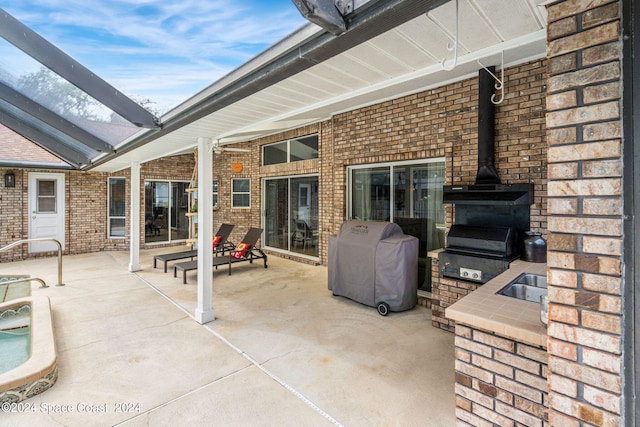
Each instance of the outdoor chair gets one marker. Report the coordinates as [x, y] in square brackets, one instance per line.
[246, 250]
[303, 234]
[221, 244]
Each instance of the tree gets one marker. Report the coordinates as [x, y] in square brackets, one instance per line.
[57, 94]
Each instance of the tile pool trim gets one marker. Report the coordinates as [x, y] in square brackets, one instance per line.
[40, 371]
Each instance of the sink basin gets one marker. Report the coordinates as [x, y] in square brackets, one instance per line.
[527, 286]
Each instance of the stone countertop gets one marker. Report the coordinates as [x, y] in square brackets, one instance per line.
[506, 316]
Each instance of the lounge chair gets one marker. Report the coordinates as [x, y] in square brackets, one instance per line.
[246, 250]
[221, 244]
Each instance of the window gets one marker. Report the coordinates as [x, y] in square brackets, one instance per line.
[215, 193]
[117, 207]
[294, 150]
[407, 193]
[240, 193]
[46, 196]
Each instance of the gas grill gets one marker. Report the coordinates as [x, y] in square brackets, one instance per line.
[478, 254]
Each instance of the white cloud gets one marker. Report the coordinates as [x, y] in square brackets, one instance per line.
[165, 50]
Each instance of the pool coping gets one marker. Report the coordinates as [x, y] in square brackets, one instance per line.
[40, 371]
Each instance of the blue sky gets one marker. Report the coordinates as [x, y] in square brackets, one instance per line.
[163, 50]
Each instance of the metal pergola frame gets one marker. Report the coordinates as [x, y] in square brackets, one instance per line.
[48, 129]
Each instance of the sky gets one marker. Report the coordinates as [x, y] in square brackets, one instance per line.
[161, 50]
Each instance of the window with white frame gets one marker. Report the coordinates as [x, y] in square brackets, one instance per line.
[240, 193]
[215, 193]
[117, 207]
[293, 150]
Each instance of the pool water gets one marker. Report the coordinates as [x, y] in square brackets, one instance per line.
[15, 337]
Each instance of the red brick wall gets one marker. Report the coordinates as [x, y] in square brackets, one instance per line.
[585, 213]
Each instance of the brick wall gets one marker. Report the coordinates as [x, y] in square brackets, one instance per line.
[447, 119]
[86, 193]
[585, 213]
[12, 213]
[499, 381]
[86, 212]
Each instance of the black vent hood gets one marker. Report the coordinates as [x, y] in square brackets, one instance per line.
[488, 194]
[488, 189]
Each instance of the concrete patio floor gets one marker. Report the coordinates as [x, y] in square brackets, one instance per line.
[282, 351]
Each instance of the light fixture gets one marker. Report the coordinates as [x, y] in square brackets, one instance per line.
[9, 179]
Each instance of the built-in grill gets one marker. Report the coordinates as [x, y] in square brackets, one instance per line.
[478, 253]
[490, 217]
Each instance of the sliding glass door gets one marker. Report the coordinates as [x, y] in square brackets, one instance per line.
[165, 206]
[291, 214]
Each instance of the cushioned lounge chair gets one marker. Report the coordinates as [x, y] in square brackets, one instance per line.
[221, 244]
[246, 250]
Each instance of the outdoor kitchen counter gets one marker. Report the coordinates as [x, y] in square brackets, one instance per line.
[506, 316]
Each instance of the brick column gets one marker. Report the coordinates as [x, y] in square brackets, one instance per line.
[585, 213]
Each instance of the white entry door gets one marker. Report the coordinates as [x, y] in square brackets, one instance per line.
[46, 210]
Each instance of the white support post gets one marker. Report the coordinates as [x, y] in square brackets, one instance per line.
[134, 219]
[204, 309]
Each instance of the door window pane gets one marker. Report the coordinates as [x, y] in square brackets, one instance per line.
[277, 213]
[291, 214]
[46, 196]
[156, 212]
[303, 196]
[179, 206]
[370, 196]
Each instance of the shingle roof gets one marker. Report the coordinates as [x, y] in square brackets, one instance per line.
[15, 147]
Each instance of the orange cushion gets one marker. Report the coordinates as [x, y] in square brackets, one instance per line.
[216, 241]
[241, 250]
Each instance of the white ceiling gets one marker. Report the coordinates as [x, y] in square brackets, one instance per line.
[404, 60]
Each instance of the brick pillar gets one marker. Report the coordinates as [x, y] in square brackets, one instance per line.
[585, 213]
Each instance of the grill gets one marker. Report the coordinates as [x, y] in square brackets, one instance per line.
[490, 217]
[476, 253]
